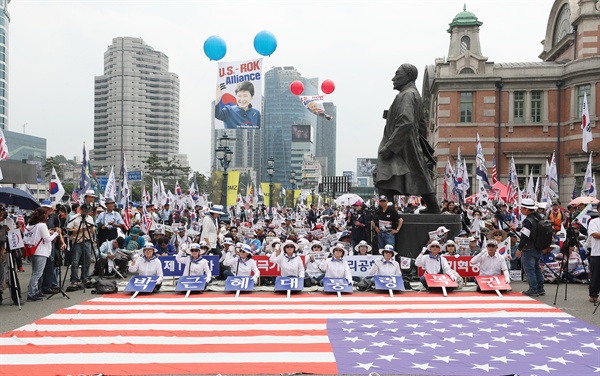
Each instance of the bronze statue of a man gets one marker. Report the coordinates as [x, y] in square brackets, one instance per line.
[402, 163]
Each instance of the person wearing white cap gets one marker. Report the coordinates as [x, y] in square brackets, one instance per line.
[195, 264]
[386, 265]
[530, 256]
[289, 262]
[89, 197]
[362, 249]
[336, 266]
[313, 273]
[491, 262]
[148, 265]
[433, 263]
[450, 249]
[242, 264]
[210, 228]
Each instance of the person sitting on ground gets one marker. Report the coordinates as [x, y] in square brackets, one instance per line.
[549, 258]
[336, 266]
[362, 249]
[241, 263]
[148, 265]
[491, 262]
[289, 263]
[433, 263]
[134, 241]
[164, 248]
[450, 249]
[314, 275]
[386, 266]
[575, 271]
[111, 258]
[195, 264]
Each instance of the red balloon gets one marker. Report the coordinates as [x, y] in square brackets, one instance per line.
[327, 87]
[297, 87]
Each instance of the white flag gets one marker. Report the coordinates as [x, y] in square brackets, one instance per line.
[588, 188]
[585, 124]
[111, 186]
[56, 188]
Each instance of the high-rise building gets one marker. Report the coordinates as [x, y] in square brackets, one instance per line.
[526, 110]
[325, 145]
[4, 21]
[136, 106]
[282, 110]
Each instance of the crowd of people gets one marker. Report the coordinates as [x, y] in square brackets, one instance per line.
[89, 233]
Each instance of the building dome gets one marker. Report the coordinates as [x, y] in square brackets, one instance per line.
[465, 18]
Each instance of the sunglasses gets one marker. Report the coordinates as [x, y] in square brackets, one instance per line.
[434, 246]
[491, 246]
[195, 250]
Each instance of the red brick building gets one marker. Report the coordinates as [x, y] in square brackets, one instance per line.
[526, 110]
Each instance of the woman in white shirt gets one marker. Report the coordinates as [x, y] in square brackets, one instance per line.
[336, 266]
[241, 264]
[195, 264]
[289, 262]
[433, 263]
[148, 265]
[387, 265]
[37, 233]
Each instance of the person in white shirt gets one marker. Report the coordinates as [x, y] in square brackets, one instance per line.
[336, 266]
[387, 265]
[313, 273]
[432, 262]
[594, 233]
[241, 264]
[210, 228]
[491, 262]
[289, 262]
[195, 264]
[148, 265]
[362, 249]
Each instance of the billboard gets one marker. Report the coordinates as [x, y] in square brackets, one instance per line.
[301, 132]
[365, 166]
[239, 95]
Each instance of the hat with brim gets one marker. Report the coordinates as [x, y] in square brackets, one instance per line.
[492, 233]
[362, 244]
[109, 200]
[148, 246]
[216, 209]
[435, 242]
[134, 231]
[528, 203]
[388, 248]
[316, 243]
[443, 229]
[46, 204]
[246, 248]
[451, 242]
[289, 242]
[338, 246]
[90, 193]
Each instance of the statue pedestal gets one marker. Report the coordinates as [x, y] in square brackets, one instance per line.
[414, 234]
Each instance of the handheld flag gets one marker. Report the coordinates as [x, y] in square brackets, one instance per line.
[56, 188]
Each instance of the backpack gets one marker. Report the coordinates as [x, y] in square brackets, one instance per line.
[543, 234]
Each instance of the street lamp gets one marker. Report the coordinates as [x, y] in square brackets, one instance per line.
[224, 155]
[271, 171]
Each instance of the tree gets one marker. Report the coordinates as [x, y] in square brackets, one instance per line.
[50, 163]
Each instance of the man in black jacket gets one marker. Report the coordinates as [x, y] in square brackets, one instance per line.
[530, 256]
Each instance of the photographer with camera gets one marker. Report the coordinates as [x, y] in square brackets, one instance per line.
[82, 231]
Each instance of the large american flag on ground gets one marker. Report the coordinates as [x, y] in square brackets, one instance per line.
[213, 333]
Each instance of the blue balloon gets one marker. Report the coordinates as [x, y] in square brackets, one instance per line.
[265, 43]
[215, 47]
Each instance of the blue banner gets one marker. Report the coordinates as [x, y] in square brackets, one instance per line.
[103, 181]
[387, 282]
[142, 283]
[289, 283]
[134, 176]
[191, 283]
[336, 285]
[244, 283]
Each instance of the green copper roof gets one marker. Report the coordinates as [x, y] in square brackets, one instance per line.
[465, 18]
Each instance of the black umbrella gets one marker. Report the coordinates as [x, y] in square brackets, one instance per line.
[18, 197]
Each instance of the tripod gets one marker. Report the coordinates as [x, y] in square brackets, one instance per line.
[58, 260]
[571, 240]
[13, 279]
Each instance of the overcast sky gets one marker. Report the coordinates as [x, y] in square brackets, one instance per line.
[57, 47]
